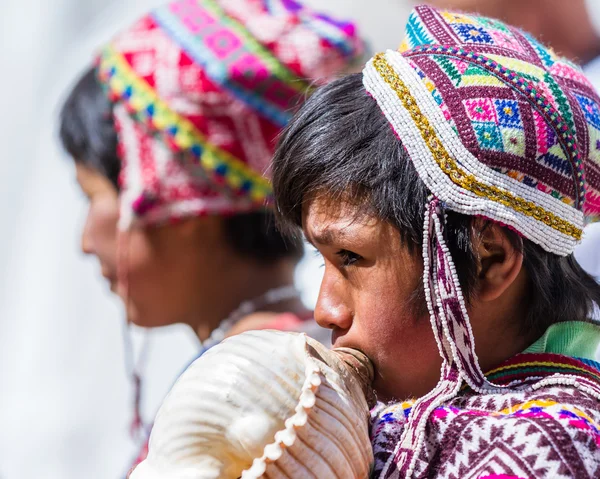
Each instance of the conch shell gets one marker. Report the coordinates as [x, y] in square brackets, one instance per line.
[265, 404]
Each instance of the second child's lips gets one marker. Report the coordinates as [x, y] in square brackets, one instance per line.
[112, 279]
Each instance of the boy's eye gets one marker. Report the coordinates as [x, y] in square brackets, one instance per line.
[348, 257]
[318, 254]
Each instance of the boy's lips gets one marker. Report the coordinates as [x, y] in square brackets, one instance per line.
[341, 342]
[338, 339]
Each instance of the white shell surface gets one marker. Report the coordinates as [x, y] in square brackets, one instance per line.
[262, 404]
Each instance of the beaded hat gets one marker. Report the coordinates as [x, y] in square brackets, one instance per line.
[201, 88]
[498, 126]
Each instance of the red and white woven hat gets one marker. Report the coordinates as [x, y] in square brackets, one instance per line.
[201, 88]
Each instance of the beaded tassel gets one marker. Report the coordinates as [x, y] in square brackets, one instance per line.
[132, 368]
[453, 334]
[410, 445]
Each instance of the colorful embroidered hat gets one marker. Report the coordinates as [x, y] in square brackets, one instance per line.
[506, 129]
[497, 126]
[201, 89]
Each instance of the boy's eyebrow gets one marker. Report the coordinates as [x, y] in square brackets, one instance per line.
[325, 236]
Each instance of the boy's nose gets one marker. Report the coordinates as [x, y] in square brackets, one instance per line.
[332, 310]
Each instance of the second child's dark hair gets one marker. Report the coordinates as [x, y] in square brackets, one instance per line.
[87, 129]
[87, 132]
[341, 146]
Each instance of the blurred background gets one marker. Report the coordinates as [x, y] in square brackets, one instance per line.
[65, 399]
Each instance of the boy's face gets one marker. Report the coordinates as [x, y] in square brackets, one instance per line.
[371, 297]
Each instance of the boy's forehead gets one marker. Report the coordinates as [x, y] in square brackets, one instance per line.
[326, 220]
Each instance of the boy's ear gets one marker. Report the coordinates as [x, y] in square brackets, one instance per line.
[499, 261]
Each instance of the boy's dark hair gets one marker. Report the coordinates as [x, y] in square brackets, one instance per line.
[340, 144]
[88, 134]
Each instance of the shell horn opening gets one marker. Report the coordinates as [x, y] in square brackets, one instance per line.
[363, 370]
[358, 367]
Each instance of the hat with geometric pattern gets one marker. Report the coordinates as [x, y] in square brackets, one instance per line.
[507, 129]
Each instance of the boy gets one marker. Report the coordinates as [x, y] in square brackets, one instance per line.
[451, 182]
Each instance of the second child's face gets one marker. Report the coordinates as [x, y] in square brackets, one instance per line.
[99, 235]
[370, 298]
[173, 271]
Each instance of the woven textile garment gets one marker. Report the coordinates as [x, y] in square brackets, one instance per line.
[202, 88]
[534, 430]
[497, 126]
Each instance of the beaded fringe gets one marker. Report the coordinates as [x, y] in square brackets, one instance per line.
[453, 334]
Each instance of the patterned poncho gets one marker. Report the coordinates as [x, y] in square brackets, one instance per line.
[540, 429]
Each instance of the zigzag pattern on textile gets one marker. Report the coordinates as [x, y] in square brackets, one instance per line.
[551, 432]
[225, 49]
[416, 33]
